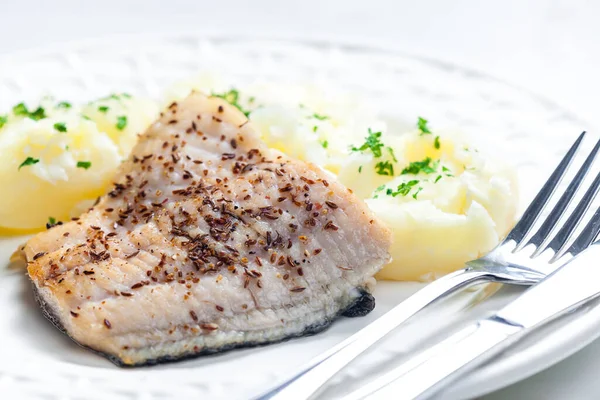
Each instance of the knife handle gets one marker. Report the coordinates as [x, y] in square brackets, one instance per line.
[425, 374]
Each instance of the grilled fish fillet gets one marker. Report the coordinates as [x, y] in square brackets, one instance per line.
[208, 241]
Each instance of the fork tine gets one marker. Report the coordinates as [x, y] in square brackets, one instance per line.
[585, 238]
[557, 212]
[534, 210]
[564, 234]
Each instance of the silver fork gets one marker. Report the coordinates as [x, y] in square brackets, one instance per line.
[507, 263]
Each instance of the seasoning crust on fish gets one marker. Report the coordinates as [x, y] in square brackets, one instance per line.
[208, 241]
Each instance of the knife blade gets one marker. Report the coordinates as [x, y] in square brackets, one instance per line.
[572, 285]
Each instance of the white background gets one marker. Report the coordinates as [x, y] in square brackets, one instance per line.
[550, 47]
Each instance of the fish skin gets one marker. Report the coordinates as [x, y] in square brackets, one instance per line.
[145, 275]
[363, 305]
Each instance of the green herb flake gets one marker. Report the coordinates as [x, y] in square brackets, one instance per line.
[425, 166]
[437, 179]
[360, 169]
[232, 97]
[376, 191]
[320, 117]
[117, 96]
[63, 104]
[384, 168]
[21, 110]
[403, 189]
[436, 142]
[422, 125]
[38, 114]
[415, 194]
[324, 143]
[84, 164]
[392, 154]
[103, 109]
[372, 142]
[60, 126]
[121, 122]
[29, 161]
[447, 171]
[3, 120]
[51, 221]
[315, 128]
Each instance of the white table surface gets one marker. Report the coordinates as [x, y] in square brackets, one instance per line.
[549, 47]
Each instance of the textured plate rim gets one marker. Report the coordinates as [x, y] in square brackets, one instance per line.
[336, 41]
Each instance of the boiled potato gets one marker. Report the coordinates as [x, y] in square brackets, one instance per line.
[57, 156]
[445, 204]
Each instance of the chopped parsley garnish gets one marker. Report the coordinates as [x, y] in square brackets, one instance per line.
[384, 168]
[29, 161]
[372, 142]
[320, 117]
[86, 117]
[21, 110]
[436, 142]
[3, 120]
[84, 164]
[422, 125]
[437, 179]
[121, 122]
[415, 194]
[115, 96]
[324, 143]
[232, 97]
[360, 169]
[51, 221]
[103, 109]
[60, 126]
[379, 189]
[392, 154]
[63, 104]
[315, 128]
[38, 114]
[447, 171]
[425, 166]
[403, 189]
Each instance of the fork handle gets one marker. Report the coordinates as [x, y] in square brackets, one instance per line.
[312, 376]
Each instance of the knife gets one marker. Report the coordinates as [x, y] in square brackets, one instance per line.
[422, 376]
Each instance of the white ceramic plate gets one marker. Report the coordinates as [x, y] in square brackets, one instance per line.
[36, 361]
